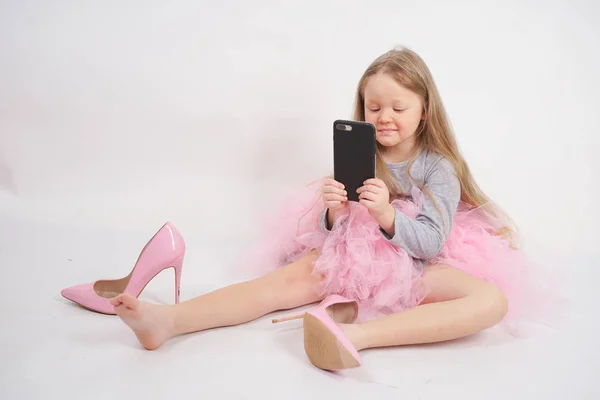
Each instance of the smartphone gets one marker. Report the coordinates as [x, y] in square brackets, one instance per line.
[354, 147]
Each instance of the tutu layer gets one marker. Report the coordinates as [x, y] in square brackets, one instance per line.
[356, 261]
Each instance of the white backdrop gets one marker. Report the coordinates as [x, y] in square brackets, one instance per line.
[128, 114]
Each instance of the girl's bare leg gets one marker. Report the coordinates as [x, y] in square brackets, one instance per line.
[458, 305]
[287, 287]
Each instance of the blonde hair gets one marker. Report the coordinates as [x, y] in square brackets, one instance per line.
[434, 132]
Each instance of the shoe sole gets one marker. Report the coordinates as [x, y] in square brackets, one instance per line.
[323, 349]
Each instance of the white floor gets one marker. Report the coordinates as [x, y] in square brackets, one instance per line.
[52, 348]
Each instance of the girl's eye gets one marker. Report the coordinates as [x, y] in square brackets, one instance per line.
[374, 109]
[398, 110]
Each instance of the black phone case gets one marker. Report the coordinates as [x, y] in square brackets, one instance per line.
[353, 154]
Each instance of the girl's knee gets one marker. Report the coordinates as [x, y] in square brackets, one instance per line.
[301, 276]
[494, 303]
[295, 281]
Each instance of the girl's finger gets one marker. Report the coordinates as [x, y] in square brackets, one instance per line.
[332, 190]
[369, 188]
[334, 183]
[368, 196]
[375, 182]
[334, 197]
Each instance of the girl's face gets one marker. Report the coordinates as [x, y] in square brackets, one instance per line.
[394, 110]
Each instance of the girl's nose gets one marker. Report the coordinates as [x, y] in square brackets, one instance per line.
[385, 116]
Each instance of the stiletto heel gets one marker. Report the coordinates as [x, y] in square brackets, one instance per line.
[284, 319]
[178, 266]
[164, 250]
[324, 342]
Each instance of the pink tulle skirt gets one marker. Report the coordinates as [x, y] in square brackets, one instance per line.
[356, 261]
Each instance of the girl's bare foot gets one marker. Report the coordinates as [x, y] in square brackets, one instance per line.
[152, 324]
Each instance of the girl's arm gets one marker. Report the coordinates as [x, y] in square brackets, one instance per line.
[326, 221]
[423, 237]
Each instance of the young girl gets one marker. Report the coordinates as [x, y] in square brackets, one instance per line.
[423, 257]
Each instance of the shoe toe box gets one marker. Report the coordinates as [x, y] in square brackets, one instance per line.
[85, 296]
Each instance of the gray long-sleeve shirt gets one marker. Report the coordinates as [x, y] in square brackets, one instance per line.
[423, 237]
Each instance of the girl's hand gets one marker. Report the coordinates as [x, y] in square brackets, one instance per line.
[376, 197]
[333, 194]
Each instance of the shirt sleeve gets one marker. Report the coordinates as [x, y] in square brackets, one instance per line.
[423, 237]
[323, 222]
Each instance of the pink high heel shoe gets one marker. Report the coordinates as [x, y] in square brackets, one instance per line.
[325, 345]
[166, 249]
